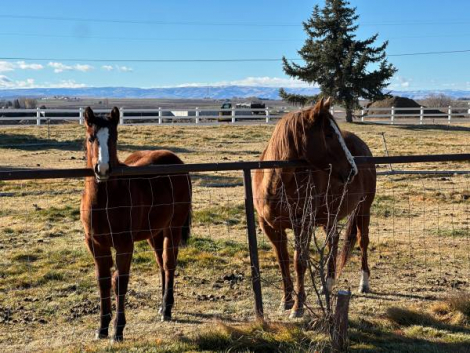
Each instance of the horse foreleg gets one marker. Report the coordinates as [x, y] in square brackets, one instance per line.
[279, 242]
[103, 263]
[157, 244]
[332, 236]
[170, 255]
[363, 235]
[301, 258]
[120, 283]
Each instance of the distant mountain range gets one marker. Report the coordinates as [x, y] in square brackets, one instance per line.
[189, 92]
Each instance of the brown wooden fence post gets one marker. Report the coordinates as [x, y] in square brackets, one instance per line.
[253, 244]
[340, 322]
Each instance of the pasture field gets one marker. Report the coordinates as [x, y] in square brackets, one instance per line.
[419, 251]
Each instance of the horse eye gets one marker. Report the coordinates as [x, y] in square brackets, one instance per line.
[91, 139]
[329, 135]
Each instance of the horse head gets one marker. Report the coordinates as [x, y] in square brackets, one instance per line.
[325, 147]
[101, 141]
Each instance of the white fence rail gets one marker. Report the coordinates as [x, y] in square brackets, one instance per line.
[152, 116]
[210, 116]
[422, 114]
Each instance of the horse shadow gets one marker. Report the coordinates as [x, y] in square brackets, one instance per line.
[34, 143]
[383, 341]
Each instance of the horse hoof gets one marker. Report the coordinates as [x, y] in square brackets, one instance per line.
[117, 338]
[364, 289]
[166, 318]
[296, 313]
[285, 306]
[100, 335]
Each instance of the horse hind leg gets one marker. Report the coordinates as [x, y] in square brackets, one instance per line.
[279, 242]
[120, 284]
[171, 241]
[156, 242]
[363, 222]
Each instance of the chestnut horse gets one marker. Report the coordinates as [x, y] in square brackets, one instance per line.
[117, 211]
[331, 188]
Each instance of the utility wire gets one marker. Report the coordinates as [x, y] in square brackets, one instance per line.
[236, 24]
[210, 60]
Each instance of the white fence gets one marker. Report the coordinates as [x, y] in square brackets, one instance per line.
[147, 116]
[213, 116]
[421, 114]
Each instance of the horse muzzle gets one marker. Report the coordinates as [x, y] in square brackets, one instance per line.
[102, 171]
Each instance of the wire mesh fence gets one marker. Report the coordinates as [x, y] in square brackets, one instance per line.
[419, 252]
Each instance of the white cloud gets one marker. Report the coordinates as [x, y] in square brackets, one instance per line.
[22, 65]
[124, 68]
[83, 68]
[400, 82]
[117, 67]
[6, 66]
[25, 66]
[256, 82]
[8, 83]
[60, 67]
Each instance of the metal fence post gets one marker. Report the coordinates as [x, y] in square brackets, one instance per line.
[267, 115]
[80, 116]
[392, 116]
[253, 244]
[233, 115]
[38, 117]
[121, 115]
[197, 115]
[421, 115]
[449, 114]
[160, 115]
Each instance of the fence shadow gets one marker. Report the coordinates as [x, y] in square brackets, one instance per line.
[381, 341]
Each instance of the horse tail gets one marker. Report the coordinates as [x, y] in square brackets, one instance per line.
[350, 239]
[186, 229]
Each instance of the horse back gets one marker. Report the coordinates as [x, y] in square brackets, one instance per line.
[144, 158]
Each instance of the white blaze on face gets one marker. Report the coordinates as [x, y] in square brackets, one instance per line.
[103, 153]
[349, 156]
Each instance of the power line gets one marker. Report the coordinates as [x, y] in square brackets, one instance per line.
[236, 24]
[149, 38]
[208, 60]
[146, 22]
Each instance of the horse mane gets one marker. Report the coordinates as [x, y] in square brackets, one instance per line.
[289, 136]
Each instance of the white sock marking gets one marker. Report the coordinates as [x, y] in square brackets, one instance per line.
[330, 282]
[349, 156]
[103, 153]
[364, 280]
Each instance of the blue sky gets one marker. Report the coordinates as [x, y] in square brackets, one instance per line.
[214, 29]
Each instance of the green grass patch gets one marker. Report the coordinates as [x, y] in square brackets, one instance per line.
[55, 214]
[220, 215]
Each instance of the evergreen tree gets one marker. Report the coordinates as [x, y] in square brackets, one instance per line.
[337, 61]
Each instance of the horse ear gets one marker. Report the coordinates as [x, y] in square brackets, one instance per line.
[327, 104]
[114, 117]
[89, 116]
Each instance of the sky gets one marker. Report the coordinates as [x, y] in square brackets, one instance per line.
[99, 43]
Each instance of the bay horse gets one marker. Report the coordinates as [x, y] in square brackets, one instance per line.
[329, 189]
[118, 211]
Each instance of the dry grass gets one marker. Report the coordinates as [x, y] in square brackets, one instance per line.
[420, 245]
